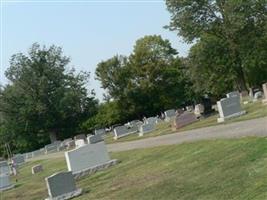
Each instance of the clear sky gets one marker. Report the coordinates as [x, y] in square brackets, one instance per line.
[88, 31]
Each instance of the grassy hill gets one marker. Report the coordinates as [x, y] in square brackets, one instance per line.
[219, 169]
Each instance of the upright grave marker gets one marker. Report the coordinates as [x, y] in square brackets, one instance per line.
[169, 114]
[229, 107]
[184, 119]
[264, 87]
[146, 128]
[121, 131]
[88, 159]
[61, 186]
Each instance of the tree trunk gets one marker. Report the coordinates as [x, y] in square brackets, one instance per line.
[53, 136]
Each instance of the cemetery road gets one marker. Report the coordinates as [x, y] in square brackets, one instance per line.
[254, 127]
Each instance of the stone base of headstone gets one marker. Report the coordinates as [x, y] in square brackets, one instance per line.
[222, 119]
[92, 170]
[69, 195]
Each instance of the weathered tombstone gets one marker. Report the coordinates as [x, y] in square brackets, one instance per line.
[18, 159]
[258, 95]
[189, 108]
[184, 119]
[38, 152]
[5, 182]
[229, 107]
[91, 139]
[199, 110]
[37, 168]
[169, 114]
[87, 159]
[28, 155]
[233, 94]
[101, 131]
[145, 128]
[61, 186]
[264, 87]
[206, 101]
[79, 143]
[4, 168]
[121, 131]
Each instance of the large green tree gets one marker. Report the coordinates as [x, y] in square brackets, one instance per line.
[44, 98]
[238, 25]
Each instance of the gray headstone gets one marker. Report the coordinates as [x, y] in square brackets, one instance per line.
[80, 137]
[61, 185]
[101, 131]
[52, 147]
[170, 113]
[94, 139]
[36, 169]
[4, 168]
[86, 157]
[80, 142]
[121, 131]
[229, 107]
[5, 182]
[18, 159]
[199, 110]
[151, 120]
[145, 128]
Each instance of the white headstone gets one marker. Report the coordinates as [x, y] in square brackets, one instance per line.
[79, 143]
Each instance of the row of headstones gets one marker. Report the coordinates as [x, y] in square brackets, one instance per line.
[141, 127]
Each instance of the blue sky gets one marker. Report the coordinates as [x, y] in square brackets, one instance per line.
[89, 32]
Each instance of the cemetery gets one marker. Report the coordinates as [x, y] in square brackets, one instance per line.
[158, 100]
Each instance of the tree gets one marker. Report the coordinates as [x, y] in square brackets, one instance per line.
[43, 97]
[237, 23]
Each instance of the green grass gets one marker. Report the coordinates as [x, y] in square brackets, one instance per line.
[206, 170]
[254, 110]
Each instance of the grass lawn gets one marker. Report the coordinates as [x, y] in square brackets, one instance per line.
[206, 170]
[254, 110]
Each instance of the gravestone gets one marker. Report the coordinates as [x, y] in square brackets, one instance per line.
[61, 186]
[88, 158]
[199, 110]
[101, 131]
[70, 144]
[229, 107]
[169, 114]
[264, 87]
[189, 108]
[18, 159]
[184, 119]
[206, 102]
[5, 182]
[121, 131]
[79, 143]
[38, 152]
[36, 169]
[91, 139]
[4, 168]
[50, 148]
[151, 120]
[146, 128]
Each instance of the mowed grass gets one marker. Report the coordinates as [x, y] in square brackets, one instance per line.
[254, 110]
[206, 170]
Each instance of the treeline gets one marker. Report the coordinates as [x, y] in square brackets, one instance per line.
[46, 100]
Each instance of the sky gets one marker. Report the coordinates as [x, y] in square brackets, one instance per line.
[88, 31]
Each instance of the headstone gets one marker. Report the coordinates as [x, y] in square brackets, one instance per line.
[151, 120]
[36, 169]
[101, 131]
[251, 93]
[264, 87]
[91, 139]
[258, 95]
[38, 152]
[79, 143]
[145, 128]
[184, 119]
[207, 106]
[80, 137]
[4, 168]
[5, 182]
[229, 107]
[18, 159]
[189, 108]
[50, 148]
[169, 114]
[199, 110]
[121, 131]
[233, 94]
[86, 157]
[61, 186]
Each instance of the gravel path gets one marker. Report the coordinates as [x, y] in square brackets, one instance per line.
[254, 127]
